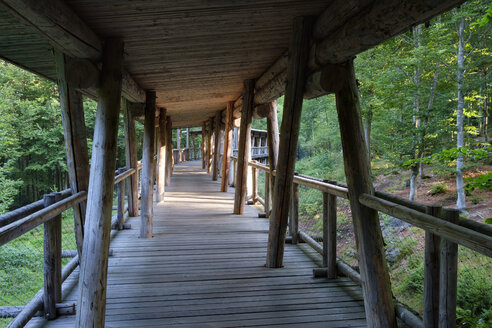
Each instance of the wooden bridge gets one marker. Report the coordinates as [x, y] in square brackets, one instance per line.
[218, 65]
[205, 267]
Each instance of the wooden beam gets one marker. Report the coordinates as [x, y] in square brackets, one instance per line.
[161, 162]
[72, 112]
[204, 145]
[244, 147]
[288, 141]
[216, 165]
[147, 181]
[169, 150]
[131, 157]
[56, 22]
[209, 144]
[378, 298]
[226, 161]
[272, 142]
[94, 262]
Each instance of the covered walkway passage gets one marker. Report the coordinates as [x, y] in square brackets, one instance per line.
[204, 267]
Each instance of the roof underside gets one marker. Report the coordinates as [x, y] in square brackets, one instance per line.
[195, 54]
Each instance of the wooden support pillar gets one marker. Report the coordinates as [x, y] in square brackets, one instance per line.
[244, 146]
[147, 211]
[209, 145]
[169, 150]
[52, 260]
[187, 138]
[378, 298]
[120, 196]
[204, 145]
[218, 135]
[72, 112]
[288, 142]
[330, 235]
[226, 161]
[254, 178]
[272, 142]
[267, 194]
[94, 262]
[161, 162]
[294, 214]
[178, 145]
[131, 158]
[431, 273]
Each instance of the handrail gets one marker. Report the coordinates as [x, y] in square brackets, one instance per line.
[124, 175]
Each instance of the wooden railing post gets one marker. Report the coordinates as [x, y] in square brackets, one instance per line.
[330, 235]
[254, 174]
[431, 273]
[120, 194]
[294, 214]
[448, 276]
[267, 194]
[52, 260]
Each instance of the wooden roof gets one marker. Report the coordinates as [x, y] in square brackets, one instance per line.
[194, 53]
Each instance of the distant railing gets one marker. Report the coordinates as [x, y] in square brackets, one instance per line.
[444, 230]
[186, 154]
[48, 212]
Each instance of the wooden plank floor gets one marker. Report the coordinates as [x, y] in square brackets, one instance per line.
[204, 267]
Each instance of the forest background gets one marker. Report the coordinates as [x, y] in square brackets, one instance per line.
[425, 97]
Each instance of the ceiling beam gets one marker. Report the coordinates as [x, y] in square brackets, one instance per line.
[56, 22]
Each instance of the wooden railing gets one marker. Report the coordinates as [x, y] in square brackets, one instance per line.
[186, 154]
[48, 212]
[444, 230]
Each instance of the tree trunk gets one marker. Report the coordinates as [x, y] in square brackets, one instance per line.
[460, 72]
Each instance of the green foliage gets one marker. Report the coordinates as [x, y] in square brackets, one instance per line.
[480, 182]
[474, 305]
[438, 188]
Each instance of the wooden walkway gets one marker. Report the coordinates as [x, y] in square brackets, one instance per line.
[205, 268]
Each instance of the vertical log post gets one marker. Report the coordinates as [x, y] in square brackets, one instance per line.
[147, 212]
[330, 235]
[216, 164]
[267, 193]
[294, 214]
[431, 273]
[179, 158]
[72, 113]
[272, 141]
[244, 146]
[210, 144]
[226, 161]
[169, 150]
[296, 77]
[448, 276]
[131, 159]
[94, 262]
[52, 260]
[254, 174]
[378, 298]
[204, 145]
[161, 163]
[120, 196]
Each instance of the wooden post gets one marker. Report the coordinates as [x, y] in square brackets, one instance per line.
[294, 214]
[161, 163]
[448, 276]
[226, 161]
[272, 141]
[267, 193]
[244, 146]
[218, 135]
[131, 158]
[330, 235]
[178, 145]
[120, 192]
[378, 298]
[210, 145]
[204, 145]
[147, 211]
[94, 262]
[169, 150]
[72, 113]
[52, 260]
[431, 273]
[254, 173]
[296, 78]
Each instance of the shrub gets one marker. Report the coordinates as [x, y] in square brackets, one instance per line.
[438, 188]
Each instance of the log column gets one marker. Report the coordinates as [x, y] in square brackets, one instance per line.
[209, 145]
[169, 150]
[226, 160]
[94, 262]
[216, 166]
[178, 145]
[204, 145]
[244, 146]
[72, 112]
[147, 184]
[131, 158]
[161, 163]
[376, 286]
[288, 142]
[272, 141]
